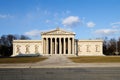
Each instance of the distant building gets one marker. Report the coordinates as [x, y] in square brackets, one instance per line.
[58, 42]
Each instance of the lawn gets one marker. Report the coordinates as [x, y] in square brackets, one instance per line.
[21, 59]
[96, 59]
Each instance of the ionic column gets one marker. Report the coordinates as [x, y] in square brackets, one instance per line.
[59, 45]
[64, 46]
[50, 45]
[55, 45]
[68, 45]
[46, 45]
[73, 46]
[43, 44]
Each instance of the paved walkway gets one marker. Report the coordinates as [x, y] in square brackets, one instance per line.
[58, 62]
[55, 60]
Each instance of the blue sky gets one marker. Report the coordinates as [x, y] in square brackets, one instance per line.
[89, 19]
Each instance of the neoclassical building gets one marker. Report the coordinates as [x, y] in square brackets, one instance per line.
[58, 42]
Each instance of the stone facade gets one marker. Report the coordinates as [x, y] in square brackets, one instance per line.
[58, 42]
[89, 47]
[27, 47]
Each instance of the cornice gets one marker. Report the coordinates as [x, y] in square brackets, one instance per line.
[90, 40]
[27, 41]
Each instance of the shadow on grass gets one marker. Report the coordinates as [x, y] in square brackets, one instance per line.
[22, 59]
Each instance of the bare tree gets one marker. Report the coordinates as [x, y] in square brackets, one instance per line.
[6, 43]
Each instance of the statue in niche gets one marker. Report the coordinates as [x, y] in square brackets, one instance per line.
[18, 49]
[27, 49]
[79, 48]
[88, 48]
[97, 48]
[36, 49]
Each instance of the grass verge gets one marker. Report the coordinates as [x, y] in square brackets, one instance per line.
[21, 59]
[96, 59]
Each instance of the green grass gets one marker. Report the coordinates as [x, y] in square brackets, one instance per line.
[96, 59]
[21, 59]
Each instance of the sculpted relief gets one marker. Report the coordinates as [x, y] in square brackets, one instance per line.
[97, 48]
[18, 49]
[88, 48]
[27, 49]
[57, 31]
[79, 48]
[36, 49]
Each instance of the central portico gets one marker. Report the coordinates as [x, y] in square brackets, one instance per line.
[58, 42]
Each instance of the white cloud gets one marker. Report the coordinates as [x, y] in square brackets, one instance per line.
[47, 21]
[115, 27]
[33, 33]
[90, 24]
[106, 31]
[5, 16]
[71, 21]
[46, 12]
[56, 14]
[115, 23]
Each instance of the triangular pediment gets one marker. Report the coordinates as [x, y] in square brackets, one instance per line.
[57, 31]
